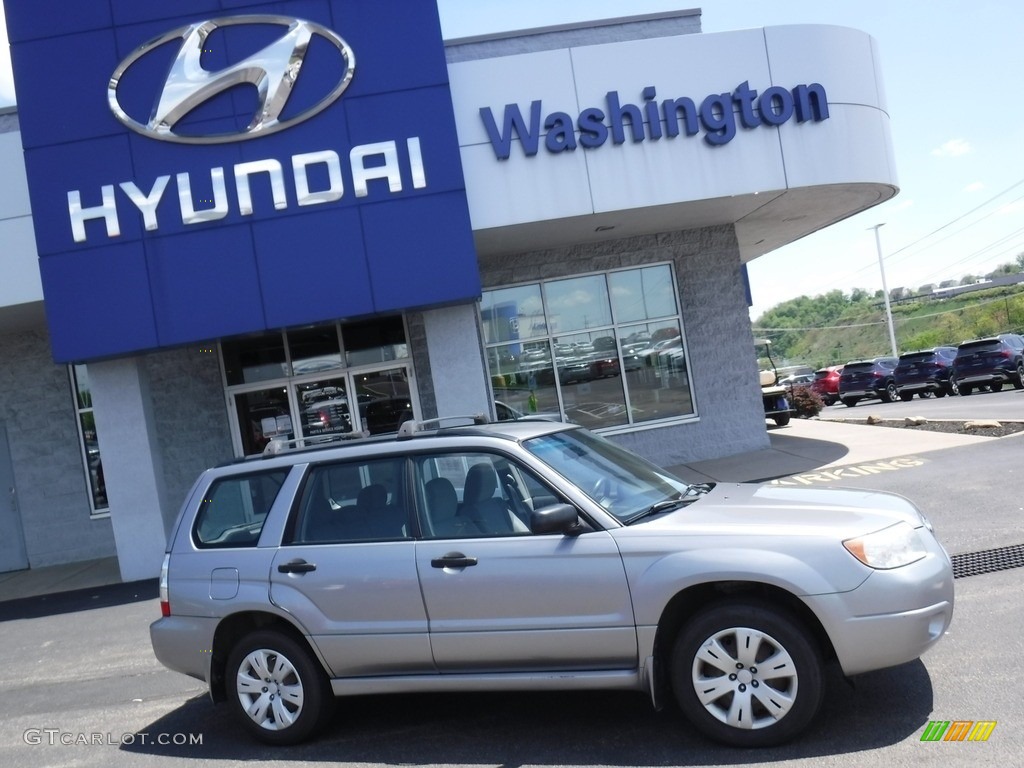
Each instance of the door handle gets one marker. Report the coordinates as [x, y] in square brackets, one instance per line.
[296, 566]
[453, 560]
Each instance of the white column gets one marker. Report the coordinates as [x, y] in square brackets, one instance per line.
[456, 361]
[131, 465]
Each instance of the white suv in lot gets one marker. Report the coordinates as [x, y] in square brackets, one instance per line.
[533, 555]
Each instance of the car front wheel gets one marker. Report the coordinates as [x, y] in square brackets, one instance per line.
[279, 693]
[747, 675]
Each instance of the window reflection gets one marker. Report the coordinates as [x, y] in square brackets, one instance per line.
[314, 349]
[88, 440]
[513, 313]
[256, 358]
[578, 303]
[384, 401]
[262, 416]
[606, 373]
[324, 407]
[374, 341]
[642, 294]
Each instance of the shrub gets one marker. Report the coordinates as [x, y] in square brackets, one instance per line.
[806, 401]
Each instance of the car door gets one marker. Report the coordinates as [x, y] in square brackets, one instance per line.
[347, 570]
[500, 598]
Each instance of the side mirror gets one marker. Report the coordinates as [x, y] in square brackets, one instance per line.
[558, 518]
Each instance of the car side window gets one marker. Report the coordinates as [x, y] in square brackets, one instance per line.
[475, 495]
[234, 509]
[352, 501]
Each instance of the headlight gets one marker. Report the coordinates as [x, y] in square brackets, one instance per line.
[890, 547]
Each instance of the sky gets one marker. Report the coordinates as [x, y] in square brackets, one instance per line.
[949, 69]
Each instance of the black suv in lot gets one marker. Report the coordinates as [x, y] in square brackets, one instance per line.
[926, 372]
[868, 380]
[990, 363]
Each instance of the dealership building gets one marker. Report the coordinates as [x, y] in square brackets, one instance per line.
[224, 223]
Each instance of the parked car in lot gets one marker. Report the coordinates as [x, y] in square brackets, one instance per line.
[826, 383]
[990, 363]
[868, 380]
[926, 372]
[533, 555]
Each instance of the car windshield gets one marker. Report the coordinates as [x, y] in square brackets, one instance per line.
[624, 484]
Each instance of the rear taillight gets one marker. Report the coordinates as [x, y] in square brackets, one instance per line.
[165, 603]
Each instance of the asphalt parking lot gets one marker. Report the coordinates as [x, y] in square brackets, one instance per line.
[80, 685]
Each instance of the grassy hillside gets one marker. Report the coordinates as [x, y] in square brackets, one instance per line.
[835, 328]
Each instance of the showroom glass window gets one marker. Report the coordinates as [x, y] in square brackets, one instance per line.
[87, 440]
[606, 350]
[319, 381]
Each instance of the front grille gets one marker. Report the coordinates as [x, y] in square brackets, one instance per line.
[988, 561]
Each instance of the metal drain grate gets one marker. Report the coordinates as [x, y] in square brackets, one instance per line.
[988, 561]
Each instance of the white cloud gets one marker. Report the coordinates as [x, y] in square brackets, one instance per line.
[976, 186]
[953, 148]
[1015, 207]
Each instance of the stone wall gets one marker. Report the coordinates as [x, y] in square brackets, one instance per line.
[38, 408]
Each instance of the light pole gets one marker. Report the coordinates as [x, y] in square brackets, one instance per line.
[885, 289]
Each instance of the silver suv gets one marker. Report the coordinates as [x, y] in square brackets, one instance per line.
[532, 555]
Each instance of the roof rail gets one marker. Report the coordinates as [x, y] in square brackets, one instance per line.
[411, 427]
[278, 445]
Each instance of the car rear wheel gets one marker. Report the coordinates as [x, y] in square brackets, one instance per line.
[849, 402]
[906, 397]
[965, 389]
[747, 674]
[889, 393]
[781, 419]
[941, 393]
[280, 693]
[995, 386]
[1019, 383]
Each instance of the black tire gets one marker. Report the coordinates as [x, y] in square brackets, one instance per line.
[889, 393]
[906, 397]
[781, 419]
[952, 386]
[798, 678]
[849, 402]
[291, 666]
[1019, 383]
[965, 389]
[995, 386]
[940, 393]
[831, 400]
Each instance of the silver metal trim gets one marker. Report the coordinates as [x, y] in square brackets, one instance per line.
[273, 71]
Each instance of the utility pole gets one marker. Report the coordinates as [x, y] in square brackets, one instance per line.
[885, 289]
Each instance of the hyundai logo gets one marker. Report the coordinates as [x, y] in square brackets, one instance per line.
[273, 70]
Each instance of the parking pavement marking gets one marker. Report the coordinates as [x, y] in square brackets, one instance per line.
[835, 474]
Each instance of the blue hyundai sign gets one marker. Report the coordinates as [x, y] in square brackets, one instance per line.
[206, 168]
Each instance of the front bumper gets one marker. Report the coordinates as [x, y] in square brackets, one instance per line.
[893, 617]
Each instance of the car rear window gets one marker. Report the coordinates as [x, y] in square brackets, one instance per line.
[854, 367]
[916, 357]
[234, 509]
[980, 346]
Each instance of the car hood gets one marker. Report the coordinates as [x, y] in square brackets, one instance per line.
[751, 509]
